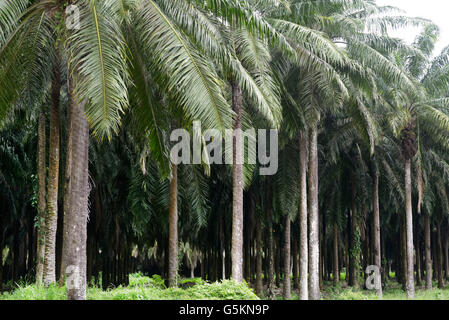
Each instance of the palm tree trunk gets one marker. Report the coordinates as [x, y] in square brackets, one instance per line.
[270, 244]
[376, 227]
[42, 205]
[51, 218]
[237, 189]
[336, 271]
[409, 231]
[173, 229]
[418, 259]
[324, 261]
[314, 221]
[428, 251]
[439, 257]
[446, 254]
[295, 263]
[277, 264]
[353, 252]
[259, 281]
[68, 170]
[75, 219]
[1, 266]
[287, 284]
[303, 219]
[403, 253]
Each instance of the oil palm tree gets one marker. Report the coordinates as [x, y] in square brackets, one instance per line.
[421, 114]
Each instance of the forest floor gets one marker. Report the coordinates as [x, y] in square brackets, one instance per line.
[392, 291]
[152, 288]
[142, 288]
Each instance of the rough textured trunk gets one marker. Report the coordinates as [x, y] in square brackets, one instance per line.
[68, 170]
[51, 217]
[314, 221]
[237, 189]
[409, 231]
[376, 227]
[303, 219]
[287, 286]
[75, 220]
[259, 253]
[336, 271]
[173, 229]
[42, 204]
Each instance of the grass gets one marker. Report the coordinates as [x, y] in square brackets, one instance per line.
[153, 288]
[393, 291]
[143, 288]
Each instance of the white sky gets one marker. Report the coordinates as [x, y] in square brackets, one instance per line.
[435, 10]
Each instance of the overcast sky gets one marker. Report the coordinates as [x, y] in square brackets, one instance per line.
[435, 10]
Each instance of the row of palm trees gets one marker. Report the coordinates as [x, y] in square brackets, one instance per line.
[344, 95]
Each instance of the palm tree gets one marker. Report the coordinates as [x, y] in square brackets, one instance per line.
[421, 114]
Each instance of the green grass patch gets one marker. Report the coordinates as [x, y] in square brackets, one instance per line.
[143, 288]
[392, 292]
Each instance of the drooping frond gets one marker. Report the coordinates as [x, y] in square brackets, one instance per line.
[98, 63]
[188, 77]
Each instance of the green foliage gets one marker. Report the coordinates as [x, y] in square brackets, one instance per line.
[390, 294]
[143, 288]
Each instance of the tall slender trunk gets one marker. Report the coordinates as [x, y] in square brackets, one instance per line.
[51, 218]
[427, 244]
[42, 204]
[68, 172]
[336, 271]
[314, 221]
[303, 219]
[295, 263]
[403, 251]
[287, 284]
[173, 229]
[237, 189]
[418, 260]
[259, 253]
[1, 266]
[277, 264]
[376, 227]
[323, 263]
[446, 253]
[435, 256]
[439, 257]
[270, 245]
[249, 239]
[75, 220]
[409, 230]
[222, 247]
[353, 252]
